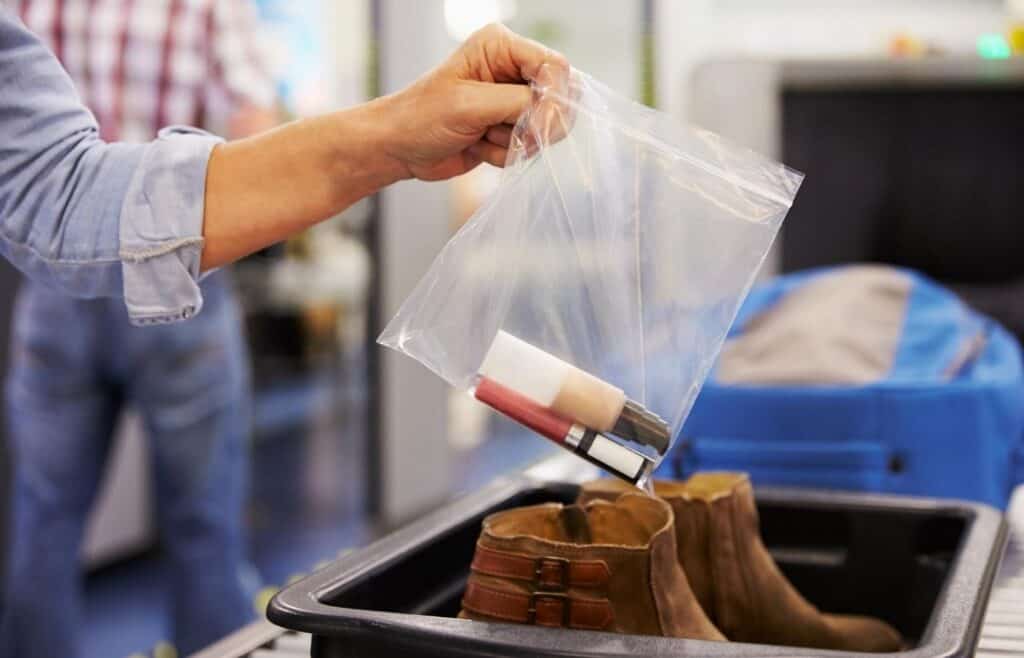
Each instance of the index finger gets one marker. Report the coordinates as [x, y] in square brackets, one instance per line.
[505, 56]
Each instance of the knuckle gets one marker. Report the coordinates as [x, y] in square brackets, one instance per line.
[495, 29]
[490, 32]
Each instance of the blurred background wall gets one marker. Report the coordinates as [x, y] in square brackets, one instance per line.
[692, 31]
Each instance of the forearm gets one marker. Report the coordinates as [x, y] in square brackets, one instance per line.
[252, 120]
[262, 189]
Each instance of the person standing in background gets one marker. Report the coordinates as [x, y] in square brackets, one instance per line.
[139, 66]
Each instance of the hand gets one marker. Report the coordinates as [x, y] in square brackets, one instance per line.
[462, 113]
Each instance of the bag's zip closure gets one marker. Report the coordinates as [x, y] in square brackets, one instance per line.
[703, 165]
[699, 163]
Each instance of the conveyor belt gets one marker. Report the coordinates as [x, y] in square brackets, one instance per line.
[1002, 632]
[259, 640]
[288, 645]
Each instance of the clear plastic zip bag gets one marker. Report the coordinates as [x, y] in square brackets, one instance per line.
[590, 295]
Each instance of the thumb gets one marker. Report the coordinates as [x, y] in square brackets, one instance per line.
[481, 105]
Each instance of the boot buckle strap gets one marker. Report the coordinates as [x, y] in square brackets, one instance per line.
[552, 609]
[540, 609]
[548, 572]
[552, 574]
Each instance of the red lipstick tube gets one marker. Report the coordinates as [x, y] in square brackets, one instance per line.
[583, 441]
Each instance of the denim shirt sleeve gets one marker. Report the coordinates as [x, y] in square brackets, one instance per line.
[90, 218]
[161, 227]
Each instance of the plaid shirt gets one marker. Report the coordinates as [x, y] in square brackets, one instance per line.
[140, 65]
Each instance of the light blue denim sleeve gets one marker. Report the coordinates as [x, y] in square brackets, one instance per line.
[90, 218]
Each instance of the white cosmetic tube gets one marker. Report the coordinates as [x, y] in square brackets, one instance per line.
[553, 383]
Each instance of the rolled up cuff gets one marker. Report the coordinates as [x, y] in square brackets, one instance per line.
[161, 228]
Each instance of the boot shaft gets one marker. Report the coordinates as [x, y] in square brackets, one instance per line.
[692, 519]
[603, 566]
[735, 578]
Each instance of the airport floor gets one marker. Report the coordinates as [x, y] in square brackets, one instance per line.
[306, 504]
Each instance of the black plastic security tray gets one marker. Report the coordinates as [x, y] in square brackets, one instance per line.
[926, 566]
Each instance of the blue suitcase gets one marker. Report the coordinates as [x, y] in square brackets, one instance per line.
[918, 430]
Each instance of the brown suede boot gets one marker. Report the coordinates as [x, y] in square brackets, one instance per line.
[607, 566]
[734, 577]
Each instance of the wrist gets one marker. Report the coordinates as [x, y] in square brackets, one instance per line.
[368, 137]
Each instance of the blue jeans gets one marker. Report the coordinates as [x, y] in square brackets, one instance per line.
[76, 364]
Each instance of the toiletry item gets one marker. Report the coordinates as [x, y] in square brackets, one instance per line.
[585, 442]
[571, 392]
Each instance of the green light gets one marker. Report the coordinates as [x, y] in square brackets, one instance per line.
[993, 46]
